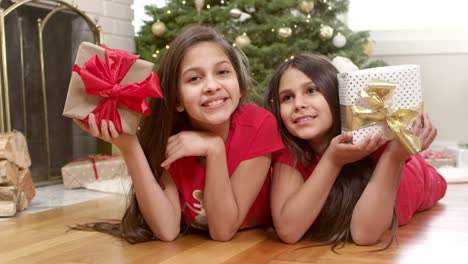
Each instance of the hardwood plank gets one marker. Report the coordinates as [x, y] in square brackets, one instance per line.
[217, 252]
[435, 236]
[55, 222]
[262, 252]
[439, 235]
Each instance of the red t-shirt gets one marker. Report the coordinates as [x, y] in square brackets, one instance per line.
[421, 186]
[252, 133]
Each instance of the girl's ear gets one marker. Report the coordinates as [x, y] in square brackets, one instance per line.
[179, 106]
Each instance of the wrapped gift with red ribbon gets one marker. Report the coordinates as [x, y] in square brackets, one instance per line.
[113, 85]
[79, 172]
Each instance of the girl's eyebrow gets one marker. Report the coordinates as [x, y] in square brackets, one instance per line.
[198, 67]
[307, 84]
[284, 91]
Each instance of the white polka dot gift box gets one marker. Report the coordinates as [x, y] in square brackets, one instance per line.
[381, 100]
[82, 171]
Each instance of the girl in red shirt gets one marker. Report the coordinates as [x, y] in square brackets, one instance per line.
[203, 157]
[325, 188]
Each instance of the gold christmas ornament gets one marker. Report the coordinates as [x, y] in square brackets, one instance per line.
[306, 6]
[369, 47]
[284, 32]
[235, 13]
[339, 40]
[199, 5]
[158, 28]
[243, 40]
[326, 32]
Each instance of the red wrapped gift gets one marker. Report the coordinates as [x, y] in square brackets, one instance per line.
[113, 85]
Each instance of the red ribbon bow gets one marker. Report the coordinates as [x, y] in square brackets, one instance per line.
[103, 79]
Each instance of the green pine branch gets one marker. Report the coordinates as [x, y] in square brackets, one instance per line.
[267, 50]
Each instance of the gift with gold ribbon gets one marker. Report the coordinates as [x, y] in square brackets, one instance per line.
[113, 85]
[383, 100]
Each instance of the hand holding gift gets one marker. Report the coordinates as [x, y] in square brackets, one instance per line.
[384, 100]
[107, 132]
[112, 85]
[423, 130]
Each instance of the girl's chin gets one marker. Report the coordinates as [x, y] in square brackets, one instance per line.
[213, 121]
[219, 121]
[305, 136]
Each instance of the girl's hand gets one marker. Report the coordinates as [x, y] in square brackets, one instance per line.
[191, 143]
[341, 151]
[422, 128]
[107, 132]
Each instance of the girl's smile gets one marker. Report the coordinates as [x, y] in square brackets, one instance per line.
[304, 120]
[215, 102]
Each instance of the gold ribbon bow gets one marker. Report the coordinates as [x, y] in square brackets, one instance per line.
[378, 96]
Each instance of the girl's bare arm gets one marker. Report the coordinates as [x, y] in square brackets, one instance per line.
[160, 208]
[294, 203]
[373, 213]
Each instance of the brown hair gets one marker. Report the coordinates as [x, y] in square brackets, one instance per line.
[165, 121]
[332, 225]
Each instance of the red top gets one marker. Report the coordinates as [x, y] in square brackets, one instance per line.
[252, 133]
[421, 186]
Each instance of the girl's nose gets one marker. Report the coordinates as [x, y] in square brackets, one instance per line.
[300, 104]
[211, 85]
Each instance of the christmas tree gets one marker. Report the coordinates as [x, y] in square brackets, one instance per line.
[269, 32]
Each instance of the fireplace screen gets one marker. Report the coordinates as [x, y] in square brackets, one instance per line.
[38, 42]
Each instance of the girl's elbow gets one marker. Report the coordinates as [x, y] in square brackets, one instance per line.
[168, 235]
[167, 238]
[288, 236]
[223, 231]
[222, 236]
[289, 239]
[365, 238]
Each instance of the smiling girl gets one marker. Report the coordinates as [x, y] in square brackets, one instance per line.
[202, 159]
[325, 188]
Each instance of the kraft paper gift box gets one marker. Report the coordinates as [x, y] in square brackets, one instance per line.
[26, 190]
[381, 100]
[8, 173]
[78, 173]
[114, 78]
[13, 147]
[8, 200]
[16, 188]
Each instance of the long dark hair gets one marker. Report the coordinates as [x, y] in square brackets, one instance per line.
[165, 121]
[332, 225]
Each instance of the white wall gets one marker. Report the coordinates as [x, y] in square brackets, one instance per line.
[443, 56]
[140, 16]
[115, 18]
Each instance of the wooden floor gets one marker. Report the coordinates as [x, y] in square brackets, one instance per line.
[439, 235]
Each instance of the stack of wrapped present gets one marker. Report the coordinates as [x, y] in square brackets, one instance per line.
[113, 85]
[383, 100]
[438, 158]
[459, 153]
[16, 185]
[81, 172]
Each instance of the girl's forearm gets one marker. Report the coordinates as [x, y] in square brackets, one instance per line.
[373, 213]
[302, 208]
[220, 203]
[155, 206]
